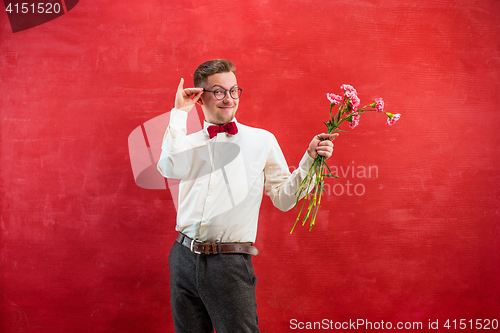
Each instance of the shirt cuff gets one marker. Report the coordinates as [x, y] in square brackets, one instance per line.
[178, 119]
[306, 162]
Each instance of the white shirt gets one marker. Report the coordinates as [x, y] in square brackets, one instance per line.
[222, 179]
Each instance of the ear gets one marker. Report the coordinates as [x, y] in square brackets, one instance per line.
[199, 101]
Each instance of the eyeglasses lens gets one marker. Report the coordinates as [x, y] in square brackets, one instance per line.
[220, 94]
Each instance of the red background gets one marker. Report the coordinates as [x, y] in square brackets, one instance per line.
[84, 249]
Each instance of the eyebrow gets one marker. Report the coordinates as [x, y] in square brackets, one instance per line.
[218, 85]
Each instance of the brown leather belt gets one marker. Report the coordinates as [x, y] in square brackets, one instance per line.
[214, 248]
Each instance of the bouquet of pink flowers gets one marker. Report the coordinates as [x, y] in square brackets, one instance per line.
[348, 110]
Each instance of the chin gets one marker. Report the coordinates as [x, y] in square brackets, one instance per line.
[226, 118]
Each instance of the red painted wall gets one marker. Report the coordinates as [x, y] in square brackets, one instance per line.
[84, 249]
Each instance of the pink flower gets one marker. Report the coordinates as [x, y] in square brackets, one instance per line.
[334, 99]
[351, 93]
[392, 118]
[379, 104]
[355, 120]
[348, 88]
[355, 102]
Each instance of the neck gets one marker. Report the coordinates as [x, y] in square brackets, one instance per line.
[219, 123]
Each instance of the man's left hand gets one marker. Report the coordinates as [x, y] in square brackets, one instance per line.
[322, 147]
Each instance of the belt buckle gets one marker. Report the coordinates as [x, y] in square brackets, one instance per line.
[192, 247]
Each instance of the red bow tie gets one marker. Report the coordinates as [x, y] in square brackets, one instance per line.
[229, 128]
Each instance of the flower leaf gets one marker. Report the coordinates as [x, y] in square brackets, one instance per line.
[331, 176]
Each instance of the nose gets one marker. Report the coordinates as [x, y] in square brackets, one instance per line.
[227, 99]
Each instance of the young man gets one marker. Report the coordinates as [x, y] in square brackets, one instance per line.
[223, 170]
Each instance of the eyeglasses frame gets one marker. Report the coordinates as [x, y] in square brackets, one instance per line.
[225, 93]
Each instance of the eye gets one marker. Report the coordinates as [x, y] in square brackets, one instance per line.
[219, 92]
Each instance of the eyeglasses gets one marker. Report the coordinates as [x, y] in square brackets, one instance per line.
[220, 93]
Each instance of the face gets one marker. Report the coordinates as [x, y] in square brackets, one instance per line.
[219, 112]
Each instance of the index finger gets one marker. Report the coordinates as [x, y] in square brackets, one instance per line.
[192, 91]
[181, 84]
[325, 136]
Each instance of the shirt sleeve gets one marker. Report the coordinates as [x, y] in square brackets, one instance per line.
[173, 162]
[280, 184]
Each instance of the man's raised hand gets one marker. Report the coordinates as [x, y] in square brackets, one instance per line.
[185, 99]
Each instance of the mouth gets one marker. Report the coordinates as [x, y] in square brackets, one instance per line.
[226, 107]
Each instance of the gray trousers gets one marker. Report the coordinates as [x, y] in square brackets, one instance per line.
[212, 291]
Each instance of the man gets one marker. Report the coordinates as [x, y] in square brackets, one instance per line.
[223, 170]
